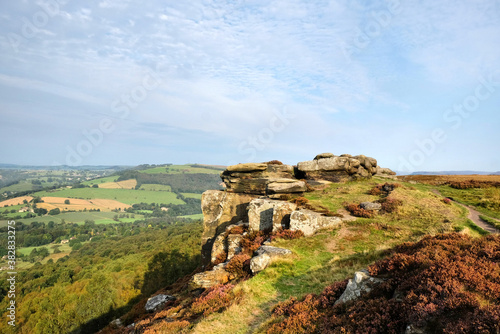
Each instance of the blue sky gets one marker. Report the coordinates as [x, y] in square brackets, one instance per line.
[415, 84]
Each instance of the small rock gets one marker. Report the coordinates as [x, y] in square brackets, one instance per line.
[309, 221]
[157, 301]
[265, 254]
[248, 167]
[324, 156]
[208, 279]
[361, 283]
[117, 323]
[371, 206]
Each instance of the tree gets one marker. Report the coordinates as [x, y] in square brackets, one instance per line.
[54, 212]
[66, 201]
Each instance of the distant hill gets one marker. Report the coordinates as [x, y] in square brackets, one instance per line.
[62, 167]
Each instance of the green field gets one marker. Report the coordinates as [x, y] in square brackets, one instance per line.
[179, 169]
[127, 196]
[77, 217]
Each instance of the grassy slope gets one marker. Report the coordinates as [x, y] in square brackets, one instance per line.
[331, 256]
[485, 200]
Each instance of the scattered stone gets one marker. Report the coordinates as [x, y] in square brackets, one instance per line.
[370, 206]
[309, 221]
[156, 302]
[208, 279]
[361, 283]
[259, 263]
[117, 323]
[264, 256]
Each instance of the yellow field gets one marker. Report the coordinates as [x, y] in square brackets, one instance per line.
[15, 201]
[127, 184]
[50, 203]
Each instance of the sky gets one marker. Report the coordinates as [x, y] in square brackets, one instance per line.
[414, 84]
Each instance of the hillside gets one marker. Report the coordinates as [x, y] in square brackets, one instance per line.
[296, 293]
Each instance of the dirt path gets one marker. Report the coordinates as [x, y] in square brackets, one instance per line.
[474, 216]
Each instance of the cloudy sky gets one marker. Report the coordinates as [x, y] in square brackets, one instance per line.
[415, 84]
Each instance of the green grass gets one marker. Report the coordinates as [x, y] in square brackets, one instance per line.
[127, 196]
[155, 187]
[484, 200]
[179, 169]
[491, 221]
[21, 186]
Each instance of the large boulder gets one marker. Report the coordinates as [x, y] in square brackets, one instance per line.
[269, 215]
[309, 221]
[327, 166]
[156, 302]
[361, 283]
[385, 173]
[220, 209]
[285, 186]
[254, 178]
[208, 279]
[265, 255]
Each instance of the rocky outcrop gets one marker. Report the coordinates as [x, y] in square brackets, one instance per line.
[156, 302]
[309, 221]
[269, 215]
[361, 283]
[220, 209]
[265, 255]
[385, 173]
[327, 166]
[208, 279]
[261, 179]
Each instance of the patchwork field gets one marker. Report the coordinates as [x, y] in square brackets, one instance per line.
[127, 196]
[78, 218]
[15, 201]
[180, 169]
[50, 203]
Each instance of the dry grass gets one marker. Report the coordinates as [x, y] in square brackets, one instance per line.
[81, 204]
[15, 201]
[127, 184]
[442, 179]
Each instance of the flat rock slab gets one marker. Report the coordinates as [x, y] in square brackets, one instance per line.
[156, 302]
[265, 254]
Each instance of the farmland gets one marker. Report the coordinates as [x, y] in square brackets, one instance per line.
[126, 196]
[180, 169]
